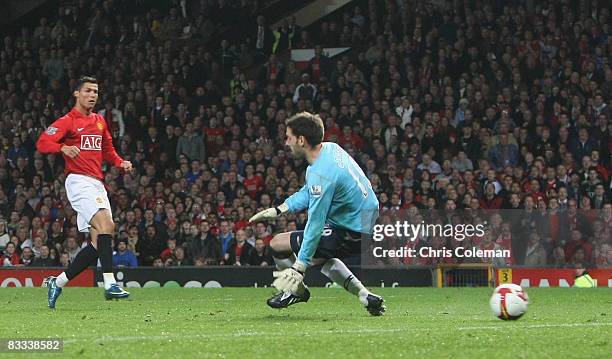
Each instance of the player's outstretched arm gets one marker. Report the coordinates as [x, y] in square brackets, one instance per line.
[269, 213]
[296, 202]
[50, 141]
[299, 200]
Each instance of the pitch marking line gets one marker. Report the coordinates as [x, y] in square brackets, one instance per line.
[535, 326]
[171, 337]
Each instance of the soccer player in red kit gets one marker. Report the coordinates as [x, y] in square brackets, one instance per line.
[84, 140]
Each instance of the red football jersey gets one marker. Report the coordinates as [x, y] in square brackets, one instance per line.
[90, 134]
[253, 185]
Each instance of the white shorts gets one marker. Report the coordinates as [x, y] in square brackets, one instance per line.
[87, 196]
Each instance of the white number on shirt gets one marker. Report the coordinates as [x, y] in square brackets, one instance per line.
[353, 170]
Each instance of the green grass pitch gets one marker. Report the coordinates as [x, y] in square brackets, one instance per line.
[235, 322]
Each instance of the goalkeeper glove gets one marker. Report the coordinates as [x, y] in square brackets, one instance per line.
[269, 213]
[288, 280]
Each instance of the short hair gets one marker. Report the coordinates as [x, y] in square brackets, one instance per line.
[308, 125]
[85, 79]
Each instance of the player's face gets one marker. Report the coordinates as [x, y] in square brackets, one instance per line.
[296, 144]
[87, 96]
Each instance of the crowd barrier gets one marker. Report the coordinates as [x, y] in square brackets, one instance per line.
[212, 277]
[216, 277]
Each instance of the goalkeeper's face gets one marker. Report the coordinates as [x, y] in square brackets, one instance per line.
[296, 144]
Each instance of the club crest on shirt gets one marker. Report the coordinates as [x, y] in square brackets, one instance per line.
[99, 200]
[316, 190]
[100, 125]
[51, 130]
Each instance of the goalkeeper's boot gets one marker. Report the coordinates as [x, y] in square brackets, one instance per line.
[115, 292]
[285, 299]
[374, 304]
[53, 291]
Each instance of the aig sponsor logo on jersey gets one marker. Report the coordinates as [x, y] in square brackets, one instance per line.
[91, 143]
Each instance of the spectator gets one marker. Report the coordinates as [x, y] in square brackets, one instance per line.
[17, 150]
[206, 246]
[577, 243]
[261, 231]
[149, 246]
[44, 260]
[191, 145]
[179, 259]
[584, 146]
[404, 111]
[169, 251]
[305, 91]
[27, 257]
[10, 257]
[536, 254]
[272, 71]
[56, 235]
[319, 65]
[199, 262]
[114, 119]
[239, 250]
[38, 243]
[491, 200]
[263, 38]
[65, 260]
[462, 163]
[603, 255]
[292, 74]
[225, 235]
[4, 236]
[72, 247]
[429, 165]
[260, 255]
[504, 154]
[158, 263]
[123, 257]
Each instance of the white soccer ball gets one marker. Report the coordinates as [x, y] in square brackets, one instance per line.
[509, 302]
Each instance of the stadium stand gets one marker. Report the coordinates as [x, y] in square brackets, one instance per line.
[463, 104]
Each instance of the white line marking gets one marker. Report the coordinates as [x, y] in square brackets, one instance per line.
[529, 326]
[179, 337]
[106, 339]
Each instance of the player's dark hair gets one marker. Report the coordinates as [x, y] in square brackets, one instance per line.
[308, 125]
[85, 79]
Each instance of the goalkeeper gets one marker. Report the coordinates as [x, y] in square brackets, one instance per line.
[337, 194]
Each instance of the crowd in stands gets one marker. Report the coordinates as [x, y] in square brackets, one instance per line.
[479, 105]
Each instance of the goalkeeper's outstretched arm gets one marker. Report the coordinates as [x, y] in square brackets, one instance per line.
[295, 203]
[269, 213]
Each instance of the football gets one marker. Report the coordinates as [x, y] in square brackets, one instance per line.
[509, 302]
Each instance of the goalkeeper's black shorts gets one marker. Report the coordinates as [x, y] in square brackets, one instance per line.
[334, 243]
